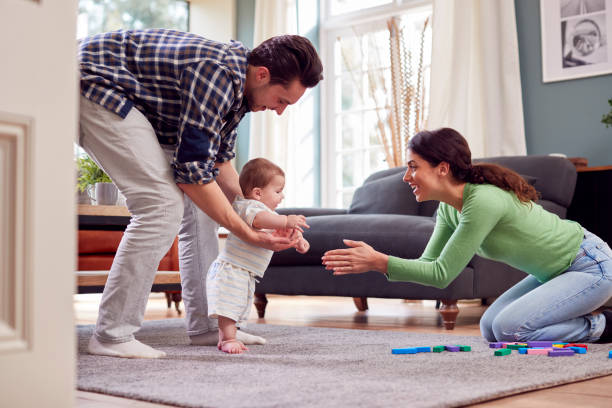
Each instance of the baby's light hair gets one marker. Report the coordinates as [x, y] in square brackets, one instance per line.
[258, 172]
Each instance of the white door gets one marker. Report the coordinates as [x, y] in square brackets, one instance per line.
[38, 123]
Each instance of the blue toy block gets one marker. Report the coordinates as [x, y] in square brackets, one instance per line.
[423, 349]
[610, 354]
[578, 350]
[523, 350]
[408, 350]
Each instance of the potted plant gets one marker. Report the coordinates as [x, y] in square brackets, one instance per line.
[93, 180]
[607, 119]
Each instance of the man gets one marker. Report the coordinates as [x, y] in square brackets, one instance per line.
[159, 111]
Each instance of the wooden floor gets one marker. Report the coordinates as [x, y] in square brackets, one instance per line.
[384, 314]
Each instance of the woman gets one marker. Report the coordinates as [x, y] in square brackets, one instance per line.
[489, 210]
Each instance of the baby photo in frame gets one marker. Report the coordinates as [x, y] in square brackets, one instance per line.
[575, 38]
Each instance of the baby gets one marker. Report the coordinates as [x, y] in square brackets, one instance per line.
[230, 283]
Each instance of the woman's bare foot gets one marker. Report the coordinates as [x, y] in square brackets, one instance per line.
[232, 346]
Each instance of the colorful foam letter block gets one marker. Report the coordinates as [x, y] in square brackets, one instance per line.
[560, 353]
[539, 344]
[537, 351]
[408, 350]
[516, 346]
[577, 345]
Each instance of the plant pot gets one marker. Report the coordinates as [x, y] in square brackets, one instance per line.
[83, 197]
[105, 194]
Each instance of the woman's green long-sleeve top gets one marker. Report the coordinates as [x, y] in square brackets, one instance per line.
[494, 224]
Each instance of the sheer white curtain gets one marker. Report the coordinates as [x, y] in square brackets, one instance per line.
[475, 76]
[270, 134]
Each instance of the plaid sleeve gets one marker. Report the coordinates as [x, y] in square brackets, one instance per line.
[226, 148]
[207, 96]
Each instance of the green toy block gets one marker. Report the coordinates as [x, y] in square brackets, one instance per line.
[515, 346]
[438, 349]
[503, 352]
[465, 348]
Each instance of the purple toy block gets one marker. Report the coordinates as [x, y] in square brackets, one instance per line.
[496, 345]
[560, 353]
[452, 348]
[539, 344]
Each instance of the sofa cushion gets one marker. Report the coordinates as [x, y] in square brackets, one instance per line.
[385, 192]
[399, 235]
[555, 176]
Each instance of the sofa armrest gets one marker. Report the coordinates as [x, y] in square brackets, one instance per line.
[311, 211]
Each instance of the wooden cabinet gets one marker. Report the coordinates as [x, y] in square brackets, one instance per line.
[592, 202]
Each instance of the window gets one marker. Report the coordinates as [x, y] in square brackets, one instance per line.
[98, 16]
[359, 86]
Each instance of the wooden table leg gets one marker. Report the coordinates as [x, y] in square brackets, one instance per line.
[449, 312]
[260, 302]
[361, 303]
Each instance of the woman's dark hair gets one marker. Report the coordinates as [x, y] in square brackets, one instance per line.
[447, 145]
[288, 57]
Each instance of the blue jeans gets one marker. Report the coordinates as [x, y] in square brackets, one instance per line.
[559, 309]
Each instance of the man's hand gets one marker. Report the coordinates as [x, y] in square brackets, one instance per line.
[279, 240]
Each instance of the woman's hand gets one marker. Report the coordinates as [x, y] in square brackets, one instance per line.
[359, 258]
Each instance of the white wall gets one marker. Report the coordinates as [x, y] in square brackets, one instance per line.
[213, 19]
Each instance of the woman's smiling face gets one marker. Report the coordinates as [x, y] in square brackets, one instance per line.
[421, 176]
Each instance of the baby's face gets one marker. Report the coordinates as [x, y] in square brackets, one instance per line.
[272, 193]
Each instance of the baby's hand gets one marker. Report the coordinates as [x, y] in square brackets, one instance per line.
[296, 222]
[302, 246]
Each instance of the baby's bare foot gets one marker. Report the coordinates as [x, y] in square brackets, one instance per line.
[232, 346]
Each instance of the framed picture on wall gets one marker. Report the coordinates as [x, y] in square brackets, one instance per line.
[576, 38]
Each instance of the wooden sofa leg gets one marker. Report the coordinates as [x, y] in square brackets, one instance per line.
[449, 312]
[361, 303]
[261, 301]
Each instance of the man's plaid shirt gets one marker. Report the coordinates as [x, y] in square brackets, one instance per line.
[190, 89]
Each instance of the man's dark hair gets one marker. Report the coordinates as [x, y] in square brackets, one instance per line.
[288, 57]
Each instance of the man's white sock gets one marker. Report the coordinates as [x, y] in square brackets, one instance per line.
[129, 349]
[247, 338]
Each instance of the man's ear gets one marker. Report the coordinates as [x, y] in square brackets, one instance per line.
[262, 74]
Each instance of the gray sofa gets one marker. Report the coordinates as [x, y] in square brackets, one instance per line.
[385, 214]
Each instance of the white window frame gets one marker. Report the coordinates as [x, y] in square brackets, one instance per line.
[330, 28]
